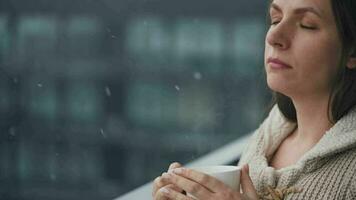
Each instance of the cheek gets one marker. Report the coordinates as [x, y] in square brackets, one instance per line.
[319, 61]
[319, 55]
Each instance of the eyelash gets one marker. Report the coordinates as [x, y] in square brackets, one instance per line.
[307, 27]
[274, 23]
[301, 25]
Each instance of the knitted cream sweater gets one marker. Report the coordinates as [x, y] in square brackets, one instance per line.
[327, 171]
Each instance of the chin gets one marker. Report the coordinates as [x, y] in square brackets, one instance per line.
[277, 85]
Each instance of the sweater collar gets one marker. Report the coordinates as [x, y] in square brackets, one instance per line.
[341, 137]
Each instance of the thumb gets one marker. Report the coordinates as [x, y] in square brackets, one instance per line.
[246, 183]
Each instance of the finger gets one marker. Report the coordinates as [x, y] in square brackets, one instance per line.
[173, 187]
[174, 165]
[159, 183]
[171, 167]
[187, 185]
[171, 194]
[160, 196]
[206, 180]
[246, 183]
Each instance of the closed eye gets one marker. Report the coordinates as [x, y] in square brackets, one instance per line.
[274, 22]
[308, 27]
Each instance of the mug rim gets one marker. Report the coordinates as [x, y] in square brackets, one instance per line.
[214, 169]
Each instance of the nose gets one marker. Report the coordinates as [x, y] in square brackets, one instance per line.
[279, 36]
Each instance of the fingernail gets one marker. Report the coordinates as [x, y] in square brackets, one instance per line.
[247, 168]
[166, 175]
[178, 171]
[164, 190]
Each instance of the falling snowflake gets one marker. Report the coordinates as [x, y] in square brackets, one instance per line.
[53, 177]
[12, 132]
[102, 133]
[108, 91]
[197, 75]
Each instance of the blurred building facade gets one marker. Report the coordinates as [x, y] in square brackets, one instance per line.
[98, 97]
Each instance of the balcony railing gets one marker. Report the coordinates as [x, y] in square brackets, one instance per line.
[228, 154]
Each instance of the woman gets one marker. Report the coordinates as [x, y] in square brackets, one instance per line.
[306, 148]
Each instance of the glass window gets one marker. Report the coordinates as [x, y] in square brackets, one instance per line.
[99, 97]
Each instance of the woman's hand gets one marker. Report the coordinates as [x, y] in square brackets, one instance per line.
[205, 187]
[159, 183]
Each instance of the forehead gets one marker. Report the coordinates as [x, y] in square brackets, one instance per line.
[317, 3]
[322, 6]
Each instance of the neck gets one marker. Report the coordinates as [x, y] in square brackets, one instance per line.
[312, 118]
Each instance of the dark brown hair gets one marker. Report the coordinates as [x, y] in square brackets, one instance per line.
[343, 93]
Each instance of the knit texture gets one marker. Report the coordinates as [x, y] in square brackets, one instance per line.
[327, 171]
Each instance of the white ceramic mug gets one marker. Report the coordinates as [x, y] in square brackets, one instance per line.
[230, 175]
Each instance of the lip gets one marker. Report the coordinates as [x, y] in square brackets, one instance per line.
[275, 63]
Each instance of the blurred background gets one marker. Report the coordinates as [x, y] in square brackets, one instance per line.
[98, 97]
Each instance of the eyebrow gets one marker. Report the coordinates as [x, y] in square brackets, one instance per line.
[298, 10]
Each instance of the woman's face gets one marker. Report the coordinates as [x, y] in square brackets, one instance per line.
[303, 48]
